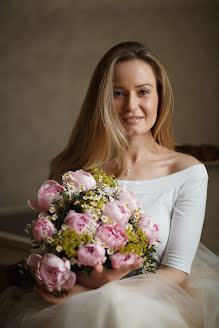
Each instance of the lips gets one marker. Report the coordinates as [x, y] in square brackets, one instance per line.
[132, 118]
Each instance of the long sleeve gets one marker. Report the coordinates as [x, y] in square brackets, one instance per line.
[187, 222]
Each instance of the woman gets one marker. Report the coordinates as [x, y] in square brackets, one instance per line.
[124, 128]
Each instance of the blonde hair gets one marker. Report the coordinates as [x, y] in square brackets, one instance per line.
[98, 136]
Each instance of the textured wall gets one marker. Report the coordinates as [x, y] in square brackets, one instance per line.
[48, 50]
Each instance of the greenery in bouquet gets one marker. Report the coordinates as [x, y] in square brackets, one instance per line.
[85, 221]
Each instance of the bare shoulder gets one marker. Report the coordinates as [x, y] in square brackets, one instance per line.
[183, 161]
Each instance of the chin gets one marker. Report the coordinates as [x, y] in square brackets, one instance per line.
[133, 133]
[137, 132]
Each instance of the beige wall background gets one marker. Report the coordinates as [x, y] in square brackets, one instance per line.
[48, 51]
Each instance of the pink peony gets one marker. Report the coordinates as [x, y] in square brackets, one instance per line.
[151, 230]
[80, 177]
[128, 197]
[80, 222]
[113, 236]
[52, 272]
[118, 259]
[91, 255]
[43, 228]
[118, 212]
[48, 192]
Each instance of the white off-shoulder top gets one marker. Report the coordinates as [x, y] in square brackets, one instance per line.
[177, 204]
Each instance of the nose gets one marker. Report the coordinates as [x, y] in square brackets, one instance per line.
[131, 103]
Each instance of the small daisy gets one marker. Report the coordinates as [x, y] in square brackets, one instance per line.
[54, 217]
[73, 261]
[94, 216]
[82, 187]
[49, 240]
[104, 218]
[59, 248]
[110, 251]
[129, 227]
[52, 209]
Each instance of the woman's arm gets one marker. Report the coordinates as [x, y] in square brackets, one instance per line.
[186, 225]
[175, 275]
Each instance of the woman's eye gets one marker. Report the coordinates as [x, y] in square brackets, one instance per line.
[118, 93]
[144, 92]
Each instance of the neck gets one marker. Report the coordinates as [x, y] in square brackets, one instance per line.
[141, 148]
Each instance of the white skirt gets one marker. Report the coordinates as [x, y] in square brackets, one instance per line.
[134, 302]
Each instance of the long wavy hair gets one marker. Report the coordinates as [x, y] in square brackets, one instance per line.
[98, 136]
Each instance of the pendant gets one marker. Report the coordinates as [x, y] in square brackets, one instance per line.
[128, 172]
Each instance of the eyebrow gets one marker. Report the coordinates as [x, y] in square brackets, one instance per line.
[137, 86]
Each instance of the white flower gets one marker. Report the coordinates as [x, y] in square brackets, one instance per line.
[54, 217]
[59, 248]
[52, 209]
[94, 216]
[110, 251]
[65, 176]
[73, 260]
[104, 218]
[49, 240]
[97, 241]
[129, 226]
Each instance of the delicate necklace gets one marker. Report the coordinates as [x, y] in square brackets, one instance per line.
[128, 172]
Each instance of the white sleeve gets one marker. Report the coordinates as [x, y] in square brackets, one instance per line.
[187, 221]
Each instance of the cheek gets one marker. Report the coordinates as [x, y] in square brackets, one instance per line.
[151, 107]
[118, 106]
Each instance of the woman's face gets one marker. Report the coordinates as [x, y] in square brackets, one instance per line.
[135, 96]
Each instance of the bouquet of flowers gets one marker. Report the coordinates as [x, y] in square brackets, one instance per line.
[85, 221]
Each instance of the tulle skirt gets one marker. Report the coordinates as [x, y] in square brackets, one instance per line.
[133, 302]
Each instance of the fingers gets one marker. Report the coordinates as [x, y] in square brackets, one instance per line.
[127, 268]
[98, 268]
[137, 264]
[49, 298]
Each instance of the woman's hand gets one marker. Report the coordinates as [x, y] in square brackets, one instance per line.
[100, 276]
[49, 298]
